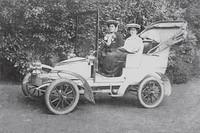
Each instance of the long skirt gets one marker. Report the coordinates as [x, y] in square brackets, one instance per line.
[112, 63]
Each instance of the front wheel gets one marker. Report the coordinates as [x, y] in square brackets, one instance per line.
[62, 96]
[150, 92]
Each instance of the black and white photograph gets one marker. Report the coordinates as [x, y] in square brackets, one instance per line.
[99, 66]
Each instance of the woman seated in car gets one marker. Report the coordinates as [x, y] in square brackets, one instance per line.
[113, 63]
[112, 41]
[134, 43]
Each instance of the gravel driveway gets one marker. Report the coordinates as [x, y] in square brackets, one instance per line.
[179, 113]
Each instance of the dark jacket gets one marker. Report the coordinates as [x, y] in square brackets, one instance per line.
[116, 42]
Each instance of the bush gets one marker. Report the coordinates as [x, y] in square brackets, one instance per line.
[35, 30]
[8, 72]
[45, 29]
[181, 60]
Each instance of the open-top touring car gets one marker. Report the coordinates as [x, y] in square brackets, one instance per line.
[144, 73]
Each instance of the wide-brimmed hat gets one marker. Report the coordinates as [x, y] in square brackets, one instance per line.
[133, 25]
[115, 22]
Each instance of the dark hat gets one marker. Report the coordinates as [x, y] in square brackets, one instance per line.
[133, 25]
[109, 22]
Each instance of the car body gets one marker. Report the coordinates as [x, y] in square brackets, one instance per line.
[144, 73]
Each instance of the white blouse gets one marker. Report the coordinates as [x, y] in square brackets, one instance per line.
[133, 44]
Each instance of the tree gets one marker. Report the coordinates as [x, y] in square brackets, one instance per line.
[44, 28]
[35, 29]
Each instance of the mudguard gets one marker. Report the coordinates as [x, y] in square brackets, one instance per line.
[165, 80]
[87, 89]
[167, 84]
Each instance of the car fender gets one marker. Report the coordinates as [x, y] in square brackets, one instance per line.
[87, 89]
[129, 82]
[165, 80]
[166, 83]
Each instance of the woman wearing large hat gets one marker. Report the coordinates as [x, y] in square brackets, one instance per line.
[116, 61]
[134, 43]
[113, 39]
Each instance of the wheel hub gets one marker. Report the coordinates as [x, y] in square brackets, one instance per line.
[61, 95]
[149, 93]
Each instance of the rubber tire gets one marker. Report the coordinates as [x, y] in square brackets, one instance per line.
[140, 91]
[26, 92]
[24, 83]
[48, 91]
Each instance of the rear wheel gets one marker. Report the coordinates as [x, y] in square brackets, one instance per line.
[62, 96]
[150, 92]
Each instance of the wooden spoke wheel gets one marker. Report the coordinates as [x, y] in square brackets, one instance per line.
[30, 90]
[150, 92]
[35, 93]
[62, 96]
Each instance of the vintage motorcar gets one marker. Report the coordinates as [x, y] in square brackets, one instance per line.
[143, 74]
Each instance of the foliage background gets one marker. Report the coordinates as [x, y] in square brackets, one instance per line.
[45, 30]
